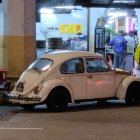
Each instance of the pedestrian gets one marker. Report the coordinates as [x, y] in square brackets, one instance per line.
[119, 47]
[109, 59]
[130, 52]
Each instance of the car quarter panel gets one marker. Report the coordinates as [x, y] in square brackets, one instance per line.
[51, 84]
[77, 82]
[123, 85]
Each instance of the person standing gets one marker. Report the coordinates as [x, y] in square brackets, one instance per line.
[130, 52]
[119, 47]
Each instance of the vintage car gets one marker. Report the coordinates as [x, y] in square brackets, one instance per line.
[63, 77]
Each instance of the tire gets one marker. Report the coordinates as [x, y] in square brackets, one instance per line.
[57, 100]
[133, 95]
[132, 100]
[102, 102]
[27, 107]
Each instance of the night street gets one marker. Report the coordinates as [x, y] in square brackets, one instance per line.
[111, 121]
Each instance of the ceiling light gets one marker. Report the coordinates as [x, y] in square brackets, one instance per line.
[46, 11]
[64, 7]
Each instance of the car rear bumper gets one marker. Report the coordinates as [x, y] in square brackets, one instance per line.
[12, 99]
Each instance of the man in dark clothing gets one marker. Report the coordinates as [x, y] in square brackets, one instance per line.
[119, 46]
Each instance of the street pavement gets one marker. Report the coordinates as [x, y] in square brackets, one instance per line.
[86, 121]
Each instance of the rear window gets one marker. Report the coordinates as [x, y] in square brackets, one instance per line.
[40, 64]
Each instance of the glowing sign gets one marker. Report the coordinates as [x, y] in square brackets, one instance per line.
[70, 28]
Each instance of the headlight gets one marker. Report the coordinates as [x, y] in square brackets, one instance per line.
[37, 89]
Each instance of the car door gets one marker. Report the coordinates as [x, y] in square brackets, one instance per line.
[100, 79]
[74, 74]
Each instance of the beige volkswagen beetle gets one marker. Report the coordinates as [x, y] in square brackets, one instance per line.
[63, 77]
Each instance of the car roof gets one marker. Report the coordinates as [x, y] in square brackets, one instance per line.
[68, 54]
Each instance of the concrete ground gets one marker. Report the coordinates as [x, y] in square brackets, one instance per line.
[86, 121]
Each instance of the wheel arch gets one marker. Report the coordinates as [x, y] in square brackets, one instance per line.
[125, 85]
[51, 85]
[63, 89]
[134, 86]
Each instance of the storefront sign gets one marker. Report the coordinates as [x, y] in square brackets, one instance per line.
[70, 28]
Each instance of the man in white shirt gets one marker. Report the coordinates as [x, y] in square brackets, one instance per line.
[130, 52]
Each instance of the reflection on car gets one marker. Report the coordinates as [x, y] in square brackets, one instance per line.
[63, 77]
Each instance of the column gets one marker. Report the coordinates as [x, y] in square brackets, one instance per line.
[19, 36]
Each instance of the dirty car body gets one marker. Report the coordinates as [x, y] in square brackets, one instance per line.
[63, 77]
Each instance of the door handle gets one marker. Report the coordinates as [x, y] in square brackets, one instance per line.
[90, 76]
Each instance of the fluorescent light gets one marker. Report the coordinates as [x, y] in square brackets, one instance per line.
[46, 11]
[124, 1]
[117, 14]
[64, 7]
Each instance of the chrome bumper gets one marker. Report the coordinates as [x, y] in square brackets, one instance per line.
[11, 98]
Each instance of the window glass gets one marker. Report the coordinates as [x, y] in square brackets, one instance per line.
[96, 65]
[105, 66]
[72, 66]
[40, 64]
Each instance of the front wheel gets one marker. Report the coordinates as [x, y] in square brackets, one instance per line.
[132, 100]
[57, 100]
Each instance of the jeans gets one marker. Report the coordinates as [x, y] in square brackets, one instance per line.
[119, 60]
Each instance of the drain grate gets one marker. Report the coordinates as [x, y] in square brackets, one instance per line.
[7, 113]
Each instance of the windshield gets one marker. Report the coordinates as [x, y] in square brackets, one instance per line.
[40, 64]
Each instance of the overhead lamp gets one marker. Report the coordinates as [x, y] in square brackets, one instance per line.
[46, 11]
[125, 1]
[64, 7]
[117, 14]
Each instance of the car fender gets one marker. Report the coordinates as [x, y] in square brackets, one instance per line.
[122, 88]
[51, 84]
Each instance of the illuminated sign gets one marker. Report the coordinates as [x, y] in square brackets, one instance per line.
[70, 28]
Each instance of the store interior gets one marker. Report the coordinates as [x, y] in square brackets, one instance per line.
[81, 28]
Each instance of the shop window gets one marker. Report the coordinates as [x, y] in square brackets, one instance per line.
[41, 44]
[55, 43]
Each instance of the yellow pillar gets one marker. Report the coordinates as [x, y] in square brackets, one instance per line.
[19, 36]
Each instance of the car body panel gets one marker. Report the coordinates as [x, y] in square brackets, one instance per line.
[37, 85]
[122, 88]
[98, 82]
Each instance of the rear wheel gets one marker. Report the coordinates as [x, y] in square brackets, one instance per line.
[28, 107]
[57, 100]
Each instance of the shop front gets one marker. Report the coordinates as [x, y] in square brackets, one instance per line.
[63, 29]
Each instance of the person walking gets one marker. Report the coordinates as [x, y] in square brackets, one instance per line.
[119, 47]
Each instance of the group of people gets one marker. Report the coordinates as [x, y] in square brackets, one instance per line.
[123, 46]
